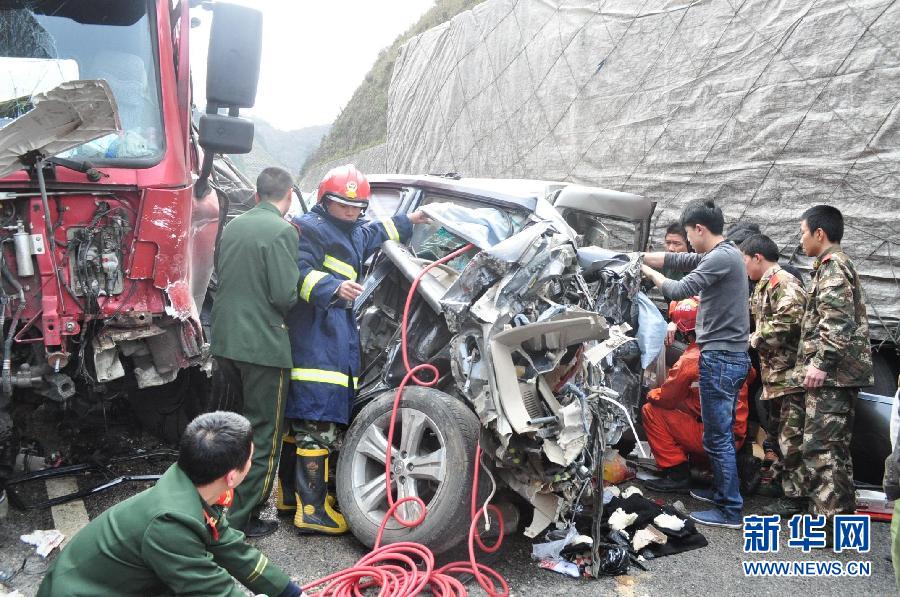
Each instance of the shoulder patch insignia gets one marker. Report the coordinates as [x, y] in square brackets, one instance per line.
[226, 498]
[774, 281]
[826, 258]
[211, 522]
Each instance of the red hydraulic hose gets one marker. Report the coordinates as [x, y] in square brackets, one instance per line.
[406, 568]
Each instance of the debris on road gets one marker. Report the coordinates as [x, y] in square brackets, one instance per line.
[561, 566]
[45, 541]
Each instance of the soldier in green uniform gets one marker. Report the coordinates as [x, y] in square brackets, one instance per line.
[777, 306]
[258, 277]
[833, 362]
[174, 538]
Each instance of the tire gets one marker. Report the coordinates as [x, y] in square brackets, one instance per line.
[223, 392]
[885, 375]
[429, 422]
[165, 410]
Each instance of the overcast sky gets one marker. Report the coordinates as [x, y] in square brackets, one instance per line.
[315, 53]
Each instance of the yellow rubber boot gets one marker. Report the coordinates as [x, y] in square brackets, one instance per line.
[315, 507]
[285, 501]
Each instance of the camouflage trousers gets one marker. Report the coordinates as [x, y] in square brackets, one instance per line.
[815, 443]
[773, 432]
[311, 435]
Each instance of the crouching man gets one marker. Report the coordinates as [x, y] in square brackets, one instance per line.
[671, 415]
[174, 537]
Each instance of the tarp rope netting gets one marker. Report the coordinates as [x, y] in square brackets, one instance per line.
[766, 107]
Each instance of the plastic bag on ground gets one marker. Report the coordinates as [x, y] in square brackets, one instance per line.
[615, 468]
[551, 549]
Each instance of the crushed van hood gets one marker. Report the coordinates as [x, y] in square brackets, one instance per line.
[63, 118]
[544, 344]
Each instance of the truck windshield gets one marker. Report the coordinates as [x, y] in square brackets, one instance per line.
[44, 43]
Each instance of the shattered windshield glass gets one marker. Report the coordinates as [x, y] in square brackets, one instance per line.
[454, 224]
[45, 43]
[606, 232]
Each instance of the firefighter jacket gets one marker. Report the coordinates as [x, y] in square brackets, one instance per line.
[164, 540]
[257, 276]
[834, 333]
[681, 390]
[777, 307]
[324, 336]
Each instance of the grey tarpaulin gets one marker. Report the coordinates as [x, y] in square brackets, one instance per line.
[766, 107]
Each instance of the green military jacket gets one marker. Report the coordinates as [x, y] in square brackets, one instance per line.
[257, 286]
[165, 540]
[777, 306]
[835, 330]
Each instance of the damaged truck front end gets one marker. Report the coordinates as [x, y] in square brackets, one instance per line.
[533, 336]
[107, 221]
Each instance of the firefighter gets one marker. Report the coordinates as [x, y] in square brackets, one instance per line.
[671, 415]
[335, 241]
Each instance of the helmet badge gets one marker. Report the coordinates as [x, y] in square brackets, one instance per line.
[351, 189]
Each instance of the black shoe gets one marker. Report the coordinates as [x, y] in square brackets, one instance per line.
[285, 500]
[316, 512]
[748, 467]
[258, 527]
[668, 485]
[771, 490]
[675, 479]
[787, 507]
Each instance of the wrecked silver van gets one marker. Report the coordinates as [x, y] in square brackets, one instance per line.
[536, 333]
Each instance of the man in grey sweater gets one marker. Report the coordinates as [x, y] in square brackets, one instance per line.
[718, 275]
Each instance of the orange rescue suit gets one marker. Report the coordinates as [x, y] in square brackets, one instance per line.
[671, 416]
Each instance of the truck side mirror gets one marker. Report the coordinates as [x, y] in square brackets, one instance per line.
[225, 134]
[235, 51]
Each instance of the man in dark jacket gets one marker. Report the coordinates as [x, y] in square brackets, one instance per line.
[718, 275]
[335, 242]
[258, 278]
[174, 538]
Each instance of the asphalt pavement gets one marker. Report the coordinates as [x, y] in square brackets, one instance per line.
[715, 569]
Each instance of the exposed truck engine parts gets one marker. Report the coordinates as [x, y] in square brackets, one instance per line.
[109, 202]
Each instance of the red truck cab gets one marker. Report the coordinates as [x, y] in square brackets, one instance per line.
[108, 246]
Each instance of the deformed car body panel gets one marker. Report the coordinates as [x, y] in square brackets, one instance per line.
[520, 318]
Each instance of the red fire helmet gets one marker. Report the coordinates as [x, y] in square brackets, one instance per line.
[684, 314]
[346, 185]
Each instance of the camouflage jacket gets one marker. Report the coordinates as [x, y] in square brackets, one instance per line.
[777, 306]
[835, 332]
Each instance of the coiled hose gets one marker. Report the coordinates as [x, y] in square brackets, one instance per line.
[406, 568]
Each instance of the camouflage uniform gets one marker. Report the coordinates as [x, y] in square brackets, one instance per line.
[777, 306]
[834, 338]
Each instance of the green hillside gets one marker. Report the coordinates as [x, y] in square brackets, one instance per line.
[274, 147]
[363, 121]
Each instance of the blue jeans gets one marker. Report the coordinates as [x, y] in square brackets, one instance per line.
[722, 373]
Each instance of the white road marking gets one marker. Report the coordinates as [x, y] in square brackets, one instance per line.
[70, 517]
